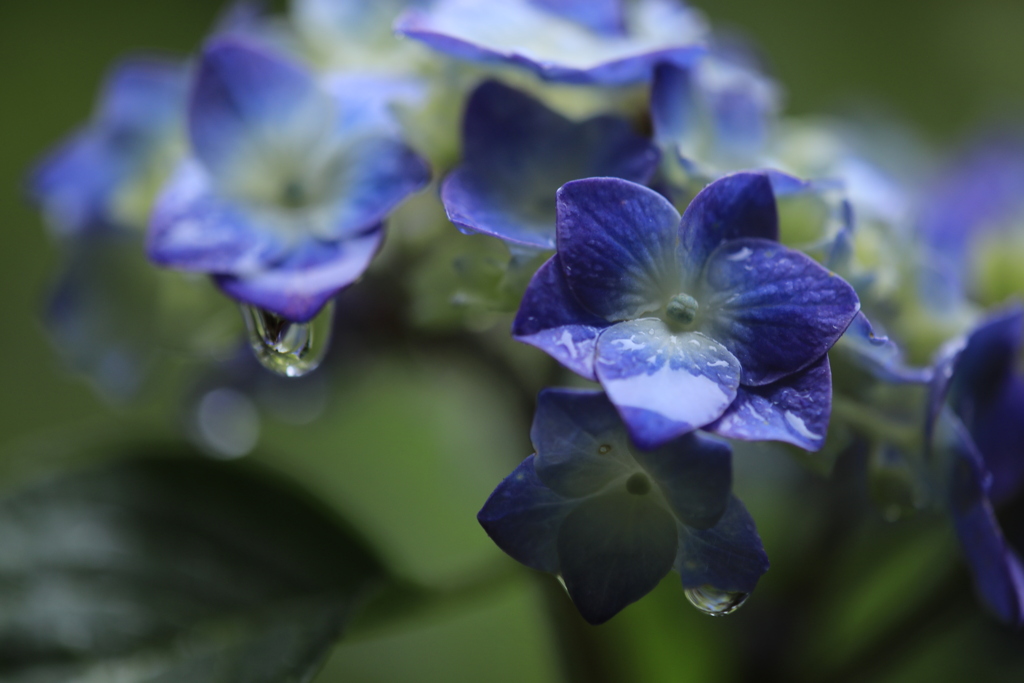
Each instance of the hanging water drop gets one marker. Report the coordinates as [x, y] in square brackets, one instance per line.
[288, 348]
[717, 603]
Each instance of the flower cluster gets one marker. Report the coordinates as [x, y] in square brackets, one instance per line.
[724, 273]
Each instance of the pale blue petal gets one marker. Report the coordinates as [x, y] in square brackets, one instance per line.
[519, 32]
[664, 384]
[552, 319]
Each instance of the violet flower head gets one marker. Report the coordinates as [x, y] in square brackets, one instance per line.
[976, 427]
[605, 42]
[284, 195]
[674, 316]
[104, 176]
[611, 520]
[517, 153]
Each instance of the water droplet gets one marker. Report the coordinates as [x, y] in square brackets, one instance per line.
[717, 603]
[227, 423]
[288, 348]
[604, 448]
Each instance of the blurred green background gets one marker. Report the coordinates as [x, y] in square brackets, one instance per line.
[943, 67]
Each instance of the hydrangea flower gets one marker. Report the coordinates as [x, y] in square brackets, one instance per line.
[517, 153]
[283, 196]
[604, 43]
[715, 115]
[972, 219]
[105, 175]
[673, 316]
[355, 34]
[611, 520]
[976, 426]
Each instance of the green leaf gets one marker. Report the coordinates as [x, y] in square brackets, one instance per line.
[173, 569]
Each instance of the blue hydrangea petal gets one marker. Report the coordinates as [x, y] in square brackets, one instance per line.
[602, 16]
[369, 103]
[664, 384]
[694, 473]
[299, 286]
[774, 308]
[735, 206]
[519, 32]
[616, 242]
[194, 228]
[988, 395]
[613, 549]
[368, 179]
[673, 108]
[143, 93]
[998, 432]
[79, 182]
[523, 517]
[973, 362]
[728, 556]
[997, 569]
[580, 441]
[794, 409]
[254, 112]
[75, 181]
[552, 319]
[879, 355]
[517, 153]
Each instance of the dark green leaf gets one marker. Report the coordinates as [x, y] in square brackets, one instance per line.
[173, 569]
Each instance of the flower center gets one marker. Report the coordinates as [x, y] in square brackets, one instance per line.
[294, 195]
[682, 309]
[638, 484]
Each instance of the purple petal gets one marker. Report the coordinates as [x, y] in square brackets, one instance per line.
[143, 93]
[613, 549]
[694, 473]
[249, 105]
[973, 368]
[551, 318]
[774, 308]
[997, 569]
[729, 556]
[736, 206]
[78, 183]
[370, 178]
[616, 242]
[517, 153]
[988, 395]
[580, 440]
[299, 286]
[664, 384]
[673, 110]
[602, 16]
[518, 32]
[192, 228]
[794, 409]
[523, 517]
[877, 354]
